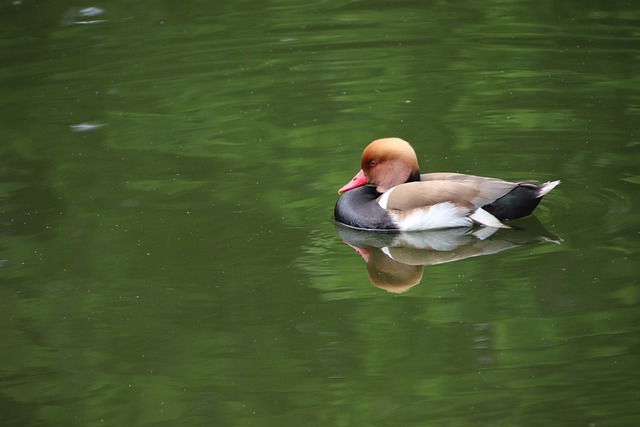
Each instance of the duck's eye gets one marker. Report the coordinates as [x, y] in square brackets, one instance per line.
[372, 163]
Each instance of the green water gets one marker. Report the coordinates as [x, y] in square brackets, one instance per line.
[167, 178]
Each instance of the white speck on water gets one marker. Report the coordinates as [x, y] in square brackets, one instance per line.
[85, 127]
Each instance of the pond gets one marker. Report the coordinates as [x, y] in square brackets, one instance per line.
[168, 173]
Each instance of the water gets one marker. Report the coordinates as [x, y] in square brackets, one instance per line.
[167, 178]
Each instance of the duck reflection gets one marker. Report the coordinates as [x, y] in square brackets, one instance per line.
[396, 261]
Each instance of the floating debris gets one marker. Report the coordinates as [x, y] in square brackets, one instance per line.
[85, 127]
[88, 12]
[77, 16]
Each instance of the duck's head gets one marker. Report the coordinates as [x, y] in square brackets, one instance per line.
[386, 162]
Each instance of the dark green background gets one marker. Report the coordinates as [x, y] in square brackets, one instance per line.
[167, 180]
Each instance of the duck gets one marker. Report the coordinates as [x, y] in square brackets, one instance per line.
[390, 194]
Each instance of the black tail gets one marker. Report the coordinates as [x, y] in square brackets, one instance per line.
[520, 201]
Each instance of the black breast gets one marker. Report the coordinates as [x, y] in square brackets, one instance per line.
[358, 208]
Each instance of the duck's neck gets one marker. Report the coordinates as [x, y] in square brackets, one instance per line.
[415, 176]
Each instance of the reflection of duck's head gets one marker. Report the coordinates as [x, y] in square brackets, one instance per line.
[390, 275]
[395, 261]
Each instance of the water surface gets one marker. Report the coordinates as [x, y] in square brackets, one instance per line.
[167, 179]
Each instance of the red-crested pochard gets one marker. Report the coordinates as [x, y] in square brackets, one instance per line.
[401, 199]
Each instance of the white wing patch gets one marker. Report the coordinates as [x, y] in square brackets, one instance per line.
[384, 199]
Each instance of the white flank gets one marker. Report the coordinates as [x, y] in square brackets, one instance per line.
[546, 187]
[442, 215]
[483, 217]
